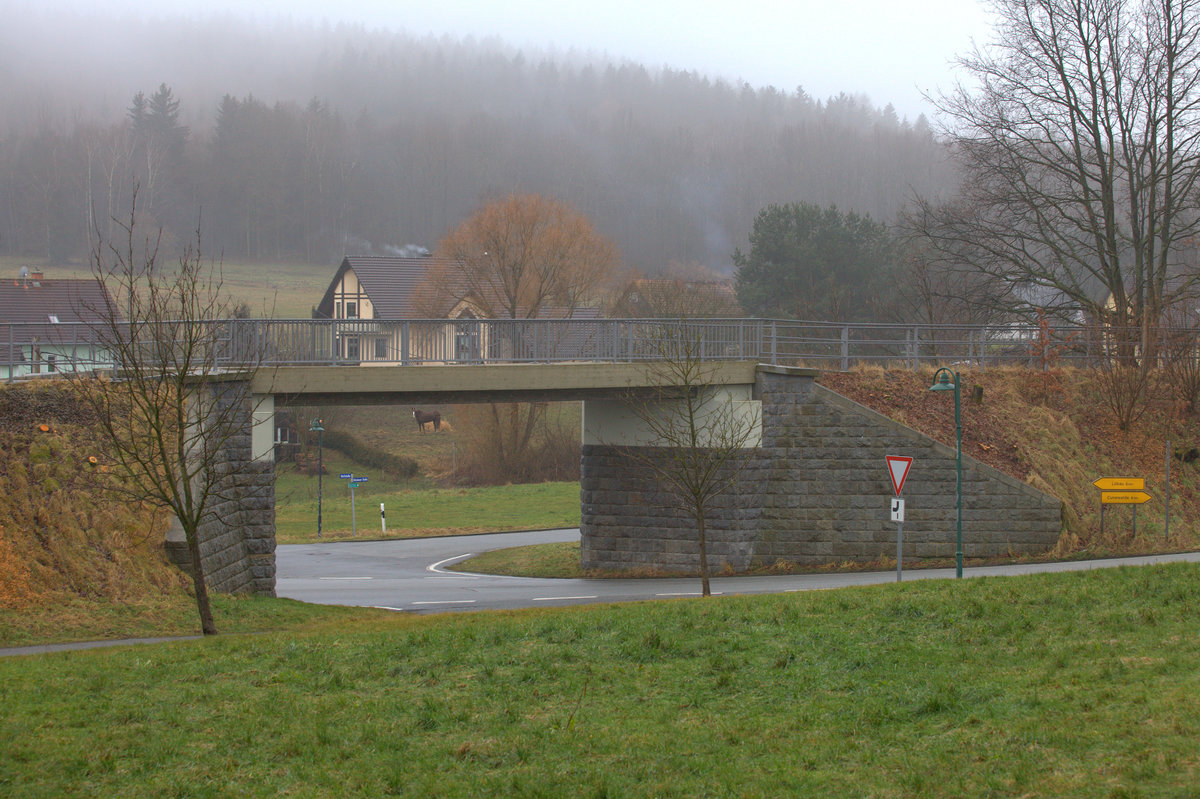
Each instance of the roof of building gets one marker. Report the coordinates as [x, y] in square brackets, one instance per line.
[393, 286]
[391, 283]
[40, 305]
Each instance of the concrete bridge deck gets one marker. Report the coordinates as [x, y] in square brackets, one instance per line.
[487, 382]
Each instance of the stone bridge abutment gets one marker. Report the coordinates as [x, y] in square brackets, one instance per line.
[814, 490]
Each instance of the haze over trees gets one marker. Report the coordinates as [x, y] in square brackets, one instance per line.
[303, 143]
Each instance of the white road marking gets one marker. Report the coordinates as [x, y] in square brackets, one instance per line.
[436, 568]
[556, 598]
[447, 602]
[387, 607]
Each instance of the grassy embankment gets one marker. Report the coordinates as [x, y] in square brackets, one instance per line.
[1082, 684]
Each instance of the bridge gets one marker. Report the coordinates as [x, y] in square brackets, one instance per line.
[27, 348]
[814, 488]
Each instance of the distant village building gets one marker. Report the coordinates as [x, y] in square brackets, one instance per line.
[369, 295]
[51, 325]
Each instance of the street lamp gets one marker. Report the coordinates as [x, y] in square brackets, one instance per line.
[319, 429]
[946, 379]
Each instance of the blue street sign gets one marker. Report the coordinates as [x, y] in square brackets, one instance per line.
[345, 476]
[358, 480]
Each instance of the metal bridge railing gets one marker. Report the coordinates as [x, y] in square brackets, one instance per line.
[27, 349]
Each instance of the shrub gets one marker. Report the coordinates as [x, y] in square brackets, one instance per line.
[361, 452]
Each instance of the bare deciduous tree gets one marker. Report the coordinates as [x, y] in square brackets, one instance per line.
[517, 257]
[180, 388]
[698, 439]
[522, 257]
[1078, 135]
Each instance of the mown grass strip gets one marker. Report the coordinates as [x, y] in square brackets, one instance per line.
[75, 619]
[424, 511]
[1082, 684]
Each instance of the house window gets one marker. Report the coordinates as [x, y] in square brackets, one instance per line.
[351, 310]
[352, 348]
[381, 349]
[51, 363]
[53, 318]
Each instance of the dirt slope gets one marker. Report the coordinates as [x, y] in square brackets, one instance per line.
[61, 537]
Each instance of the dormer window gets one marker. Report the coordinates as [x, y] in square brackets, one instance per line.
[53, 319]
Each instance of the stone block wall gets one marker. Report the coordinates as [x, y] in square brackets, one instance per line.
[817, 491]
[237, 537]
[634, 522]
[826, 487]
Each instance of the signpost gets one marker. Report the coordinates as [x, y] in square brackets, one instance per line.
[1124, 497]
[1121, 491]
[1120, 483]
[354, 481]
[898, 466]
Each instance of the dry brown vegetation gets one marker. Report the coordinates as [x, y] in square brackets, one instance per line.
[1053, 430]
[62, 537]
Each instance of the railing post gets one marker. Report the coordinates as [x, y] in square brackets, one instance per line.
[845, 348]
[405, 356]
[774, 345]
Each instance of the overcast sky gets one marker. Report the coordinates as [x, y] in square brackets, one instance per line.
[891, 50]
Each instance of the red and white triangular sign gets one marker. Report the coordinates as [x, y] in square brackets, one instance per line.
[898, 466]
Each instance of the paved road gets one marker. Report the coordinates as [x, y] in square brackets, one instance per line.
[410, 575]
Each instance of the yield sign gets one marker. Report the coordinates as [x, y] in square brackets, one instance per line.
[898, 466]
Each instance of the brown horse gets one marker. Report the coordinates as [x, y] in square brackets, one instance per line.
[425, 417]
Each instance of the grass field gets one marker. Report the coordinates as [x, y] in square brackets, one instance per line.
[153, 617]
[1082, 684]
[281, 291]
[413, 508]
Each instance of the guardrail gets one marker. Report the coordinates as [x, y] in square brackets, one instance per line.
[47, 348]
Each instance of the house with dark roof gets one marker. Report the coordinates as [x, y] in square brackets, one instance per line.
[51, 325]
[369, 295]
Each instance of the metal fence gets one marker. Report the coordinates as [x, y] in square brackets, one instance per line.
[27, 349]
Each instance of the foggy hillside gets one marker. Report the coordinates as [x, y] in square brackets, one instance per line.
[303, 142]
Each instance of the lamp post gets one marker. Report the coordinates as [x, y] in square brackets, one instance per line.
[319, 429]
[946, 379]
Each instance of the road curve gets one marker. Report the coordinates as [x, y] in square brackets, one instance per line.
[409, 575]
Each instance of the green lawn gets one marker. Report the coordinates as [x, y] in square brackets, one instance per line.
[413, 507]
[63, 620]
[1083, 684]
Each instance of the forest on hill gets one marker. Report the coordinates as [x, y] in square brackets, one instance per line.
[302, 143]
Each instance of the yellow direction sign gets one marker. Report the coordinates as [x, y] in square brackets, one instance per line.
[1124, 497]
[1120, 484]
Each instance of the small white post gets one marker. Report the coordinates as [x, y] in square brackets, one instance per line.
[382, 519]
